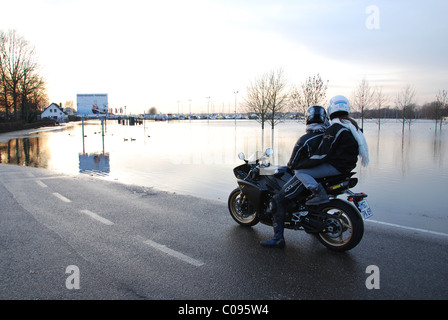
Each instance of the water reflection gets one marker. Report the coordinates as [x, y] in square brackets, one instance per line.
[408, 175]
[94, 164]
[438, 149]
[405, 179]
[24, 152]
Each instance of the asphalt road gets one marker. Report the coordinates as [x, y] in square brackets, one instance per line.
[79, 237]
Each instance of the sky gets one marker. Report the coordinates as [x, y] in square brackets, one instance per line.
[174, 54]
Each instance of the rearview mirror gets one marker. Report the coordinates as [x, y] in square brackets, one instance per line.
[241, 156]
[269, 151]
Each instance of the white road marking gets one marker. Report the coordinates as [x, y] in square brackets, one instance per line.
[43, 185]
[174, 253]
[97, 217]
[61, 197]
[408, 228]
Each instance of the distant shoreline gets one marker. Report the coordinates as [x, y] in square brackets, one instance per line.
[12, 126]
[5, 136]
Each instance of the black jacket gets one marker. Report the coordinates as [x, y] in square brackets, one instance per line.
[305, 147]
[338, 148]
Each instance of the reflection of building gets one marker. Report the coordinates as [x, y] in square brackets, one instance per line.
[53, 111]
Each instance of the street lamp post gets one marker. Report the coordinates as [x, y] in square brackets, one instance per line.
[236, 92]
[190, 109]
[208, 107]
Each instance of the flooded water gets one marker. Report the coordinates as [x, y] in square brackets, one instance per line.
[406, 179]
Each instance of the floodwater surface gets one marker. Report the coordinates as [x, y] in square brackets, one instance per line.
[406, 180]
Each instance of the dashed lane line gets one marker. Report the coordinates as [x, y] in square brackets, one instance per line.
[61, 197]
[97, 217]
[153, 244]
[174, 253]
[409, 228]
[40, 183]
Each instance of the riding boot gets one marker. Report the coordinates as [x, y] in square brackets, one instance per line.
[319, 196]
[278, 240]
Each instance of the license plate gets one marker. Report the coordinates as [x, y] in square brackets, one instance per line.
[364, 207]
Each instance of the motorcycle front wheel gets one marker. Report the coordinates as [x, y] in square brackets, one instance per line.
[241, 209]
[344, 227]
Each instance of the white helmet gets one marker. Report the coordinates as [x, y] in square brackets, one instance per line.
[339, 105]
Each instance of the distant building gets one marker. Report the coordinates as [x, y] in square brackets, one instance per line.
[69, 111]
[55, 112]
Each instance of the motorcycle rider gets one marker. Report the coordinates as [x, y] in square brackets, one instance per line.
[316, 124]
[338, 152]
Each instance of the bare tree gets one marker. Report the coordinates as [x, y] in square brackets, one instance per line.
[39, 97]
[4, 80]
[69, 104]
[278, 98]
[312, 91]
[28, 83]
[152, 110]
[12, 48]
[266, 98]
[379, 99]
[405, 102]
[441, 104]
[17, 72]
[33, 96]
[363, 98]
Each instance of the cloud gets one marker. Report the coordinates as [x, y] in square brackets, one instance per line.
[408, 45]
[155, 53]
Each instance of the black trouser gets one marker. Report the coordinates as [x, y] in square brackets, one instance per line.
[289, 191]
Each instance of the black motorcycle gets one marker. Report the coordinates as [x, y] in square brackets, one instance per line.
[337, 224]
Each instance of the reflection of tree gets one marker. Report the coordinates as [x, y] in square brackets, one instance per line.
[405, 152]
[23, 151]
[438, 148]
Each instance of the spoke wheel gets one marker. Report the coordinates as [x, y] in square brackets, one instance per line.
[241, 210]
[344, 227]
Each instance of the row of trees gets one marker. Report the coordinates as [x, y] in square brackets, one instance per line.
[270, 95]
[373, 103]
[22, 89]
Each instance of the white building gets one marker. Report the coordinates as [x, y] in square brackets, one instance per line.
[53, 111]
[69, 111]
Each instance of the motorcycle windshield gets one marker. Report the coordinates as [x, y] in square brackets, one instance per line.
[254, 157]
[257, 156]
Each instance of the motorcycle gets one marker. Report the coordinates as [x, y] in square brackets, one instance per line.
[338, 224]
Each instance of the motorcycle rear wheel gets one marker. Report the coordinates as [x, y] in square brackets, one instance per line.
[241, 209]
[344, 227]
